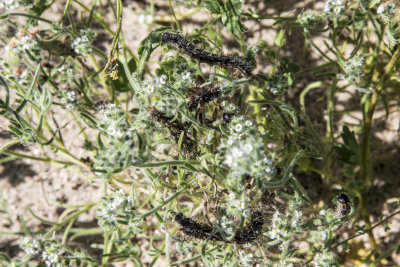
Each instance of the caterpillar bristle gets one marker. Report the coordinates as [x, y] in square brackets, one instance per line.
[243, 235]
[201, 55]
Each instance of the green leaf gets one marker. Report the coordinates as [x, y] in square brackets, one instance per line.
[230, 17]
[122, 83]
[147, 46]
[280, 39]
[349, 151]
[214, 6]
[171, 65]
[289, 66]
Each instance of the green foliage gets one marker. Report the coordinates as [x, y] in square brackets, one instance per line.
[188, 134]
[230, 11]
[349, 151]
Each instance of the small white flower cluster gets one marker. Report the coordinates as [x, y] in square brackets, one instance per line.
[229, 107]
[135, 225]
[30, 246]
[324, 259]
[352, 69]
[318, 238]
[145, 19]
[49, 252]
[237, 207]
[327, 219]
[307, 20]
[283, 225]
[157, 83]
[246, 259]
[69, 99]
[16, 49]
[386, 11]
[109, 208]
[243, 153]
[186, 75]
[81, 45]
[183, 80]
[67, 73]
[8, 5]
[50, 255]
[247, 156]
[26, 42]
[239, 128]
[334, 7]
[113, 122]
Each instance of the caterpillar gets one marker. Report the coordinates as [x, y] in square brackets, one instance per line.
[204, 56]
[175, 128]
[202, 231]
[202, 96]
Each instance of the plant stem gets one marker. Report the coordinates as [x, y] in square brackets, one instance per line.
[365, 161]
[170, 198]
[173, 14]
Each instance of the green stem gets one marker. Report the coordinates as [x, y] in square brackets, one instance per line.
[167, 200]
[106, 248]
[365, 161]
[173, 14]
[19, 155]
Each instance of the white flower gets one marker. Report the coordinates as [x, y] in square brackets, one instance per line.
[70, 106]
[380, 9]
[248, 148]
[186, 75]
[119, 134]
[228, 160]
[231, 196]
[337, 9]
[274, 233]
[63, 100]
[231, 107]
[240, 205]
[248, 123]
[149, 89]
[236, 153]
[238, 127]
[230, 141]
[111, 130]
[71, 95]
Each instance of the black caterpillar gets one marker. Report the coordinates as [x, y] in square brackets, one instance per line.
[203, 56]
[175, 128]
[203, 96]
[202, 231]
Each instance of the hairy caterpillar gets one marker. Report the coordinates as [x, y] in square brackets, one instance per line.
[203, 96]
[175, 128]
[203, 56]
[202, 231]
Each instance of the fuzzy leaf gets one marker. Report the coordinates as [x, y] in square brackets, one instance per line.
[147, 46]
[349, 151]
[232, 10]
[214, 6]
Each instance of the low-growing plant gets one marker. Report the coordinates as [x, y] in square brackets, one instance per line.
[203, 152]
